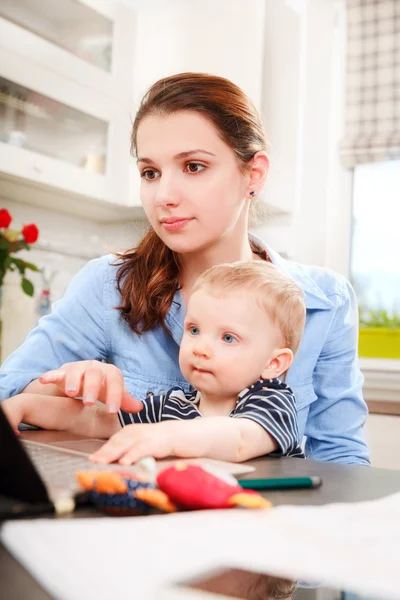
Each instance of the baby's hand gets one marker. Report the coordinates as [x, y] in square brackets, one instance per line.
[15, 410]
[137, 441]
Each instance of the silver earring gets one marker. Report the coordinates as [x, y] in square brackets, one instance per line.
[252, 194]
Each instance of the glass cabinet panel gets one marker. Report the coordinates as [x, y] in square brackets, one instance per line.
[67, 23]
[38, 123]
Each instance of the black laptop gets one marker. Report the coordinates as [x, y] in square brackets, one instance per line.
[38, 477]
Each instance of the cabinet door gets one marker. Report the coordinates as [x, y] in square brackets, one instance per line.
[36, 122]
[89, 42]
[56, 133]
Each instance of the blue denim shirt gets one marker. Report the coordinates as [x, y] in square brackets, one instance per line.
[324, 376]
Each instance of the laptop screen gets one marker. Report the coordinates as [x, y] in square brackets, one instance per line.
[18, 477]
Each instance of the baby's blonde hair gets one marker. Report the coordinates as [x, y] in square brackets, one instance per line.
[276, 293]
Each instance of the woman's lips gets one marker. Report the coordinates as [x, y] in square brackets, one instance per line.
[175, 225]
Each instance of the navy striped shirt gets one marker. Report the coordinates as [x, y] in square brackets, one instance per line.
[268, 402]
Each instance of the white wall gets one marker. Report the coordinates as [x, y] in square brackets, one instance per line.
[302, 107]
[223, 38]
[65, 244]
[382, 433]
[282, 99]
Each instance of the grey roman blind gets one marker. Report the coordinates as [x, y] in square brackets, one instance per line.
[372, 128]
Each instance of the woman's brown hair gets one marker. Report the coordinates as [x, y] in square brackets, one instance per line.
[148, 275]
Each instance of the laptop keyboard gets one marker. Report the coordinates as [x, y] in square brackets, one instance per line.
[57, 467]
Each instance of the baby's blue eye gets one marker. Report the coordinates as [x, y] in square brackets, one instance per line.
[194, 330]
[229, 339]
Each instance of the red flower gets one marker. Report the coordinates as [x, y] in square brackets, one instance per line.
[30, 233]
[5, 218]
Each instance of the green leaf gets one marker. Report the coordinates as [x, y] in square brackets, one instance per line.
[27, 286]
[31, 266]
[379, 318]
[20, 264]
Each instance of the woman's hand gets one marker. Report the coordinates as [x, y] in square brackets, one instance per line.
[93, 380]
[15, 409]
[137, 441]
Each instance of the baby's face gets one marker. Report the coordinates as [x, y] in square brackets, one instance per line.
[228, 341]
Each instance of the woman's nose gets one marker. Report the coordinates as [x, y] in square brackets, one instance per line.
[166, 193]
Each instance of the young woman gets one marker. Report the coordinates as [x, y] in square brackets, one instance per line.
[115, 335]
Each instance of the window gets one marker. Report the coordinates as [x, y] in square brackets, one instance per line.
[375, 261]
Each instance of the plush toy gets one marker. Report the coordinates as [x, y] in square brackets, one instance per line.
[193, 486]
[119, 492]
[182, 486]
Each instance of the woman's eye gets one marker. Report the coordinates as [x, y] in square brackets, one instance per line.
[194, 167]
[194, 330]
[150, 174]
[229, 339]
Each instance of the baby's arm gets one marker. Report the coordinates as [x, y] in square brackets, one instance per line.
[60, 413]
[263, 423]
[222, 438]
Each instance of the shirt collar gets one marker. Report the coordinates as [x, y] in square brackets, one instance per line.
[314, 297]
[176, 316]
[194, 396]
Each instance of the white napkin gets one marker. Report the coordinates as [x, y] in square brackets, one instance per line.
[347, 546]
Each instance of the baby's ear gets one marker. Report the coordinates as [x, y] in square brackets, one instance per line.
[278, 364]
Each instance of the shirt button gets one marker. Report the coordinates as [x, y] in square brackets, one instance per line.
[149, 394]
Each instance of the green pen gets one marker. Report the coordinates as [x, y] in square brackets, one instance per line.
[280, 483]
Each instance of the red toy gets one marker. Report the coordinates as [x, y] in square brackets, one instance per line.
[197, 487]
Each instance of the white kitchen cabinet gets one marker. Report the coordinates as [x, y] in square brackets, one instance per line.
[66, 73]
[88, 41]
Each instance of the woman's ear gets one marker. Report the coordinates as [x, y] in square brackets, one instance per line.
[278, 364]
[258, 173]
